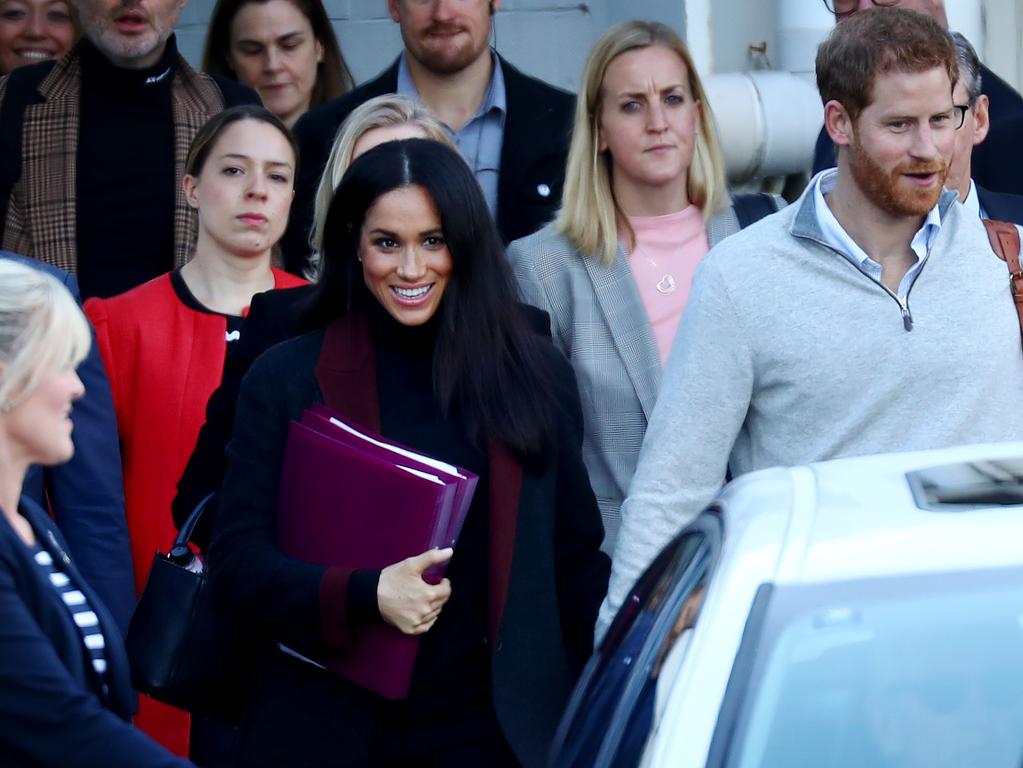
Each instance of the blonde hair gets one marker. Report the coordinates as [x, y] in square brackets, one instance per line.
[42, 330]
[380, 112]
[589, 214]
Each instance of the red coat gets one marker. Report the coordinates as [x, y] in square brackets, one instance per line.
[164, 360]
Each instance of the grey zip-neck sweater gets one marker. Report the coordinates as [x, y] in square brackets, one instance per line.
[789, 354]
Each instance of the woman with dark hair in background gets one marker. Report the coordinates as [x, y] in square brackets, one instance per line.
[285, 49]
[65, 692]
[419, 338]
[164, 343]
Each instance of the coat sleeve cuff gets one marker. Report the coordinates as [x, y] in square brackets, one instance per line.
[334, 626]
[363, 607]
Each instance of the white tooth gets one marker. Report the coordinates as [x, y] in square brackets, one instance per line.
[411, 293]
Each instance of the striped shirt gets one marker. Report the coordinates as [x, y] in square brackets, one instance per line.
[77, 603]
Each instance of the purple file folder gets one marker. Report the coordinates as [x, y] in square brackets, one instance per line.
[321, 418]
[346, 505]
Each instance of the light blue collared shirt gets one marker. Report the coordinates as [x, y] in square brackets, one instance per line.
[972, 202]
[838, 238]
[481, 138]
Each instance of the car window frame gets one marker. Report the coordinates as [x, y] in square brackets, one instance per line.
[739, 678]
[700, 568]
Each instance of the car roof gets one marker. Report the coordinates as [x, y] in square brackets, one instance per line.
[857, 518]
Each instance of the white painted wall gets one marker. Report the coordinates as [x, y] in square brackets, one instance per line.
[1002, 22]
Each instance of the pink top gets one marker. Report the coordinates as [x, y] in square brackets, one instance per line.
[668, 248]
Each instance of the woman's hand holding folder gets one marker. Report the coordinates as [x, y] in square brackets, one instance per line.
[406, 600]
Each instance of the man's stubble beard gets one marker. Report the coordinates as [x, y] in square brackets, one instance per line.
[444, 61]
[884, 190]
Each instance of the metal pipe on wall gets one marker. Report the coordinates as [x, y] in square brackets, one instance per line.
[767, 122]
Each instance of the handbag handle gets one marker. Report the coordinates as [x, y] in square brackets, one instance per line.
[180, 552]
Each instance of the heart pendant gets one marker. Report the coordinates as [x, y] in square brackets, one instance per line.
[666, 284]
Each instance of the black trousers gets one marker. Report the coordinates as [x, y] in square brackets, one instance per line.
[303, 717]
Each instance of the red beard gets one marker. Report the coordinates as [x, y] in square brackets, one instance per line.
[888, 191]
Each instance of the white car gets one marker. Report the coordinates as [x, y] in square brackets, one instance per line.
[856, 613]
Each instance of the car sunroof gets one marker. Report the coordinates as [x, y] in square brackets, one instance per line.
[968, 485]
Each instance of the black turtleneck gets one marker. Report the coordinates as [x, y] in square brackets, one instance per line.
[452, 668]
[126, 182]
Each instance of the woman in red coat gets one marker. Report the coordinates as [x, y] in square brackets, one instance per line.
[165, 342]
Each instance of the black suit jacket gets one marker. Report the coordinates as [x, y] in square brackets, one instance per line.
[1001, 206]
[537, 133]
[53, 711]
[997, 163]
[86, 494]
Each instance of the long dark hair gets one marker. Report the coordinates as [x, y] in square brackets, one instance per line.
[488, 364]
[333, 78]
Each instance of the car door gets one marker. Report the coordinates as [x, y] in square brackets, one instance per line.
[613, 709]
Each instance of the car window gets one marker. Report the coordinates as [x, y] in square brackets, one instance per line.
[919, 671]
[615, 704]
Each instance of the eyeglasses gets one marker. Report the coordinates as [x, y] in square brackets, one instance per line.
[959, 114]
[843, 8]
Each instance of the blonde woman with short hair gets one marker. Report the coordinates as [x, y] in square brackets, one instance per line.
[65, 690]
[644, 201]
[384, 118]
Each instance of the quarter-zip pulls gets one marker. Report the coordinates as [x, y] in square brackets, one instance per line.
[907, 315]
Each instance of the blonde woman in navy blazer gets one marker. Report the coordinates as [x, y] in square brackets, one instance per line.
[577, 268]
[65, 692]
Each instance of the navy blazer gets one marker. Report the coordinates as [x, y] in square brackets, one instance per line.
[86, 494]
[1001, 206]
[997, 163]
[53, 711]
[537, 132]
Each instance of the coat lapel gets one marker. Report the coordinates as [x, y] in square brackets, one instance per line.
[505, 485]
[346, 371]
[50, 136]
[49, 142]
[193, 100]
[346, 375]
[620, 303]
[120, 697]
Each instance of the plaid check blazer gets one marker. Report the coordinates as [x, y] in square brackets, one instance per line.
[41, 213]
[599, 322]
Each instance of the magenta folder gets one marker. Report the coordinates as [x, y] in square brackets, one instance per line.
[321, 418]
[351, 502]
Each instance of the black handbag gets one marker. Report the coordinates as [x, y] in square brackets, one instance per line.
[182, 650]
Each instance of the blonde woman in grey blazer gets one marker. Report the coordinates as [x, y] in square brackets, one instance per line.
[577, 268]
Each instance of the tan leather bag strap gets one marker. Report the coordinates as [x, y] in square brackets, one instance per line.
[1004, 239]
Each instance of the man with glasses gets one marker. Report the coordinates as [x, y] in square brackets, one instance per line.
[973, 103]
[869, 316]
[1000, 170]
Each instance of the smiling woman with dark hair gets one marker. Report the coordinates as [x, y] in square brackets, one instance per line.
[418, 336]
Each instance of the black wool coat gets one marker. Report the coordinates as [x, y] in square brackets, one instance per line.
[547, 575]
